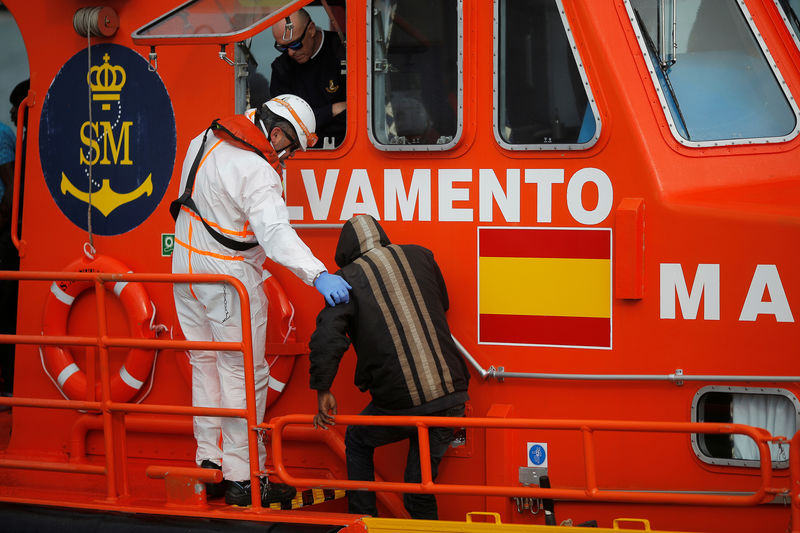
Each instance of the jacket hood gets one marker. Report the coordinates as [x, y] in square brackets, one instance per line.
[359, 235]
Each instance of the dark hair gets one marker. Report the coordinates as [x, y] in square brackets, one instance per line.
[19, 92]
[273, 120]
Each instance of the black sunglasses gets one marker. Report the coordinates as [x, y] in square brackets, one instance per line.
[297, 44]
[294, 143]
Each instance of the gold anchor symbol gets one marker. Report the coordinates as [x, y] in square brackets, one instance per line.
[106, 199]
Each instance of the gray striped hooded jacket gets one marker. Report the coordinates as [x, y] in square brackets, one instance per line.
[395, 321]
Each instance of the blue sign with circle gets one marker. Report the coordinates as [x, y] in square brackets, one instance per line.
[128, 144]
[537, 454]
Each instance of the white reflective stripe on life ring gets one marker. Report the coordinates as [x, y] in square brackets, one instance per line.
[62, 296]
[65, 374]
[129, 380]
[275, 385]
[120, 285]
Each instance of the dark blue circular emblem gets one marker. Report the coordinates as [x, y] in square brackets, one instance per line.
[129, 142]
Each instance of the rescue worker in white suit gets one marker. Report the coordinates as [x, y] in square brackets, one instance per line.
[229, 218]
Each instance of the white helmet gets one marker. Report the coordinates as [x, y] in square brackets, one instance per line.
[299, 114]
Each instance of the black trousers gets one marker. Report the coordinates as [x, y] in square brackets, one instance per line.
[361, 442]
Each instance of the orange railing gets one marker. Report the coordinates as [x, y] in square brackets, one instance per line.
[22, 120]
[587, 428]
[114, 425]
[113, 412]
[794, 469]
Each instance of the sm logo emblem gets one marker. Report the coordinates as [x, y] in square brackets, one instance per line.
[107, 139]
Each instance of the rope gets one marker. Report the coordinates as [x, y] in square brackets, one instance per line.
[86, 23]
[91, 124]
[291, 328]
[158, 328]
[55, 383]
[89, 250]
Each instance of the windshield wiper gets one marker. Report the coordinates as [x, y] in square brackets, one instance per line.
[791, 14]
[663, 67]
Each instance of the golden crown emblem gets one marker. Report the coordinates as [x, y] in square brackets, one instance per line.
[106, 81]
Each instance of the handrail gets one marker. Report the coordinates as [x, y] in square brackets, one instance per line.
[22, 117]
[113, 424]
[794, 469]
[678, 377]
[591, 490]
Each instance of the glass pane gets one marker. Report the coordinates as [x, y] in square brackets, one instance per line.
[415, 74]
[207, 17]
[774, 412]
[542, 99]
[718, 85]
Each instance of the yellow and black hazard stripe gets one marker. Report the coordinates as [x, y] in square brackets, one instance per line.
[309, 497]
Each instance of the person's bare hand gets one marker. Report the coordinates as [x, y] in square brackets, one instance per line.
[326, 415]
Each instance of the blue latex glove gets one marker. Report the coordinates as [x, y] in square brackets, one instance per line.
[334, 288]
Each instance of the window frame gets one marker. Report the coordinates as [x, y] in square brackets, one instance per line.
[459, 110]
[789, 25]
[581, 71]
[696, 417]
[787, 94]
[141, 36]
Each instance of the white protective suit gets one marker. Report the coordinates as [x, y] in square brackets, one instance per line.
[238, 194]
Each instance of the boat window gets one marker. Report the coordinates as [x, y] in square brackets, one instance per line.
[543, 100]
[790, 13]
[776, 410]
[415, 82]
[199, 19]
[716, 80]
[321, 80]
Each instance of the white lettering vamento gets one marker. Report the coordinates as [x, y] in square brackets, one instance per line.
[448, 194]
[544, 178]
[359, 183]
[320, 203]
[419, 194]
[490, 189]
[455, 190]
[605, 196]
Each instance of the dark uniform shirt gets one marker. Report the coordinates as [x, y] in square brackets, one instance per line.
[319, 81]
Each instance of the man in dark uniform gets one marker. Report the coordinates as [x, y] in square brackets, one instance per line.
[310, 66]
[406, 357]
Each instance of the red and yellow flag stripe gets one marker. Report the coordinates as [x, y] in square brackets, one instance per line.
[545, 286]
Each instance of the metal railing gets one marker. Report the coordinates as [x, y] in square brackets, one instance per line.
[678, 377]
[112, 412]
[114, 425]
[22, 120]
[587, 428]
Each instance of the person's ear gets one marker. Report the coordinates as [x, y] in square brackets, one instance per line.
[275, 134]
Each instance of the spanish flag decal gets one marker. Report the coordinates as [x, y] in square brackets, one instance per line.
[545, 286]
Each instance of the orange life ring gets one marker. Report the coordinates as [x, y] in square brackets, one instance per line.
[69, 378]
[281, 347]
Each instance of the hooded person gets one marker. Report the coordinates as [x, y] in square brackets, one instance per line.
[406, 356]
[229, 218]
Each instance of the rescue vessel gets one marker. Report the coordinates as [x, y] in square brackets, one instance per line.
[611, 189]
